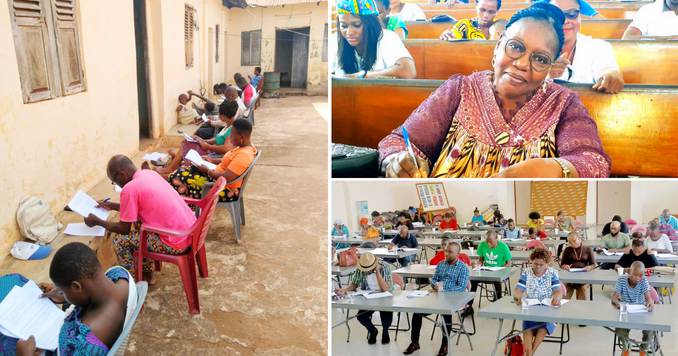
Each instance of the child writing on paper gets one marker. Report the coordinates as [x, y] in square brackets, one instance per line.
[633, 289]
[102, 300]
[538, 282]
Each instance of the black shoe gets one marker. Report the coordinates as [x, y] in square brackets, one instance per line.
[372, 337]
[412, 348]
[385, 339]
[443, 350]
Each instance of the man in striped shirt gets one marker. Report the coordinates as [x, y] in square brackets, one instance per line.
[451, 275]
[633, 289]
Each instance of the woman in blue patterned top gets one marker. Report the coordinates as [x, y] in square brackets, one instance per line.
[103, 303]
[451, 275]
[633, 289]
[538, 282]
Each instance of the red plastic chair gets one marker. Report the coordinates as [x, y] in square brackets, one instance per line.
[195, 253]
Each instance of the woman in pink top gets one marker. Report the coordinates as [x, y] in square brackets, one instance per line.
[146, 198]
[246, 88]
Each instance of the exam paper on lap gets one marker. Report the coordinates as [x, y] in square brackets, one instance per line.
[84, 205]
[195, 158]
[81, 229]
[23, 313]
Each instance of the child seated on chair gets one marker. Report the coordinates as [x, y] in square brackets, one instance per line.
[104, 302]
[633, 289]
[185, 113]
[190, 181]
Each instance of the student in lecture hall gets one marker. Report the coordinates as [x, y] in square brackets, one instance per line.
[633, 288]
[533, 240]
[585, 59]
[391, 23]
[493, 253]
[404, 219]
[657, 19]
[535, 221]
[576, 255]
[339, 229]
[371, 274]
[104, 301]
[497, 219]
[218, 145]
[638, 252]
[657, 241]
[667, 219]
[477, 219]
[146, 198]
[189, 181]
[616, 240]
[483, 27]
[539, 281]
[511, 231]
[622, 225]
[404, 239]
[407, 11]
[377, 219]
[365, 50]
[563, 222]
[451, 275]
[449, 221]
[510, 122]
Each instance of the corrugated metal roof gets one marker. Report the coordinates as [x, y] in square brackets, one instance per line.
[268, 3]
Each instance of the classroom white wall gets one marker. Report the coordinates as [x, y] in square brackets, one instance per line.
[614, 198]
[649, 198]
[54, 147]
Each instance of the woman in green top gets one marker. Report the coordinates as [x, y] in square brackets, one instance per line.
[392, 23]
[219, 144]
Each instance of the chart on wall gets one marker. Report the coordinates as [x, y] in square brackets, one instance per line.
[432, 196]
[362, 208]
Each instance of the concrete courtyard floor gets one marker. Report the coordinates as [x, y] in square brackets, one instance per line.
[268, 294]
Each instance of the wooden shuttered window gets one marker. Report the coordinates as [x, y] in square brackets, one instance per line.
[324, 51]
[46, 39]
[250, 48]
[189, 27]
[217, 33]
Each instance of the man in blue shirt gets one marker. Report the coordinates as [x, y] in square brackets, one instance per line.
[668, 219]
[404, 239]
[511, 231]
[451, 275]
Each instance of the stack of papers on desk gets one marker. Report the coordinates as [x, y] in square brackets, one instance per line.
[577, 269]
[23, 313]
[486, 268]
[376, 295]
[198, 161]
[418, 294]
[546, 302]
[636, 308]
[84, 205]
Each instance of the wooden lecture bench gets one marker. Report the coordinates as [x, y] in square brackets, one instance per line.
[617, 12]
[606, 28]
[521, 4]
[38, 270]
[641, 62]
[636, 126]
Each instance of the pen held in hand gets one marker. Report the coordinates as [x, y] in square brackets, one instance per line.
[408, 146]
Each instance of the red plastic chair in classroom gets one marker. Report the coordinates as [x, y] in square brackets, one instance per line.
[195, 253]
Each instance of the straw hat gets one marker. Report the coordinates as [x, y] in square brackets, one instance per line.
[367, 262]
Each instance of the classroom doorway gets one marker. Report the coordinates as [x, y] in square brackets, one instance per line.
[143, 93]
[291, 56]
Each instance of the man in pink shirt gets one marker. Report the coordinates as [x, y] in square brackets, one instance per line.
[148, 199]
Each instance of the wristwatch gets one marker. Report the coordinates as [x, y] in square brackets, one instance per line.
[567, 173]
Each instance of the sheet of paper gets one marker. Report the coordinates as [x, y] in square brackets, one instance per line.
[23, 313]
[377, 295]
[665, 255]
[608, 253]
[80, 229]
[577, 269]
[195, 158]
[204, 118]
[407, 249]
[189, 138]
[154, 156]
[486, 268]
[418, 294]
[84, 205]
[636, 308]
[431, 267]
[382, 251]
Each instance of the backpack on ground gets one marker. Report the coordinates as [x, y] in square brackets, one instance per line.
[514, 347]
[36, 221]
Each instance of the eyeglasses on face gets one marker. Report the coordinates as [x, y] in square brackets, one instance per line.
[515, 49]
[571, 14]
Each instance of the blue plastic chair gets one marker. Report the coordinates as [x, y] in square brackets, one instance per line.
[120, 345]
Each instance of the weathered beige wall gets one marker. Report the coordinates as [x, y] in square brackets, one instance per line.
[268, 19]
[52, 148]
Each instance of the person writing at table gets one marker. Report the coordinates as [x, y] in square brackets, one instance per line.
[340, 230]
[404, 239]
[633, 289]
[374, 275]
[656, 241]
[477, 219]
[563, 222]
[451, 275]
[493, 253]
[537, 282]
[511, 231]
[576, 255]
[449, 222]
[510, 122]
[638, 253]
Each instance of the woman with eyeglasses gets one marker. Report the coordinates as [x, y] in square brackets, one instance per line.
[509, 122]
[584, 59]
[365, 49]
